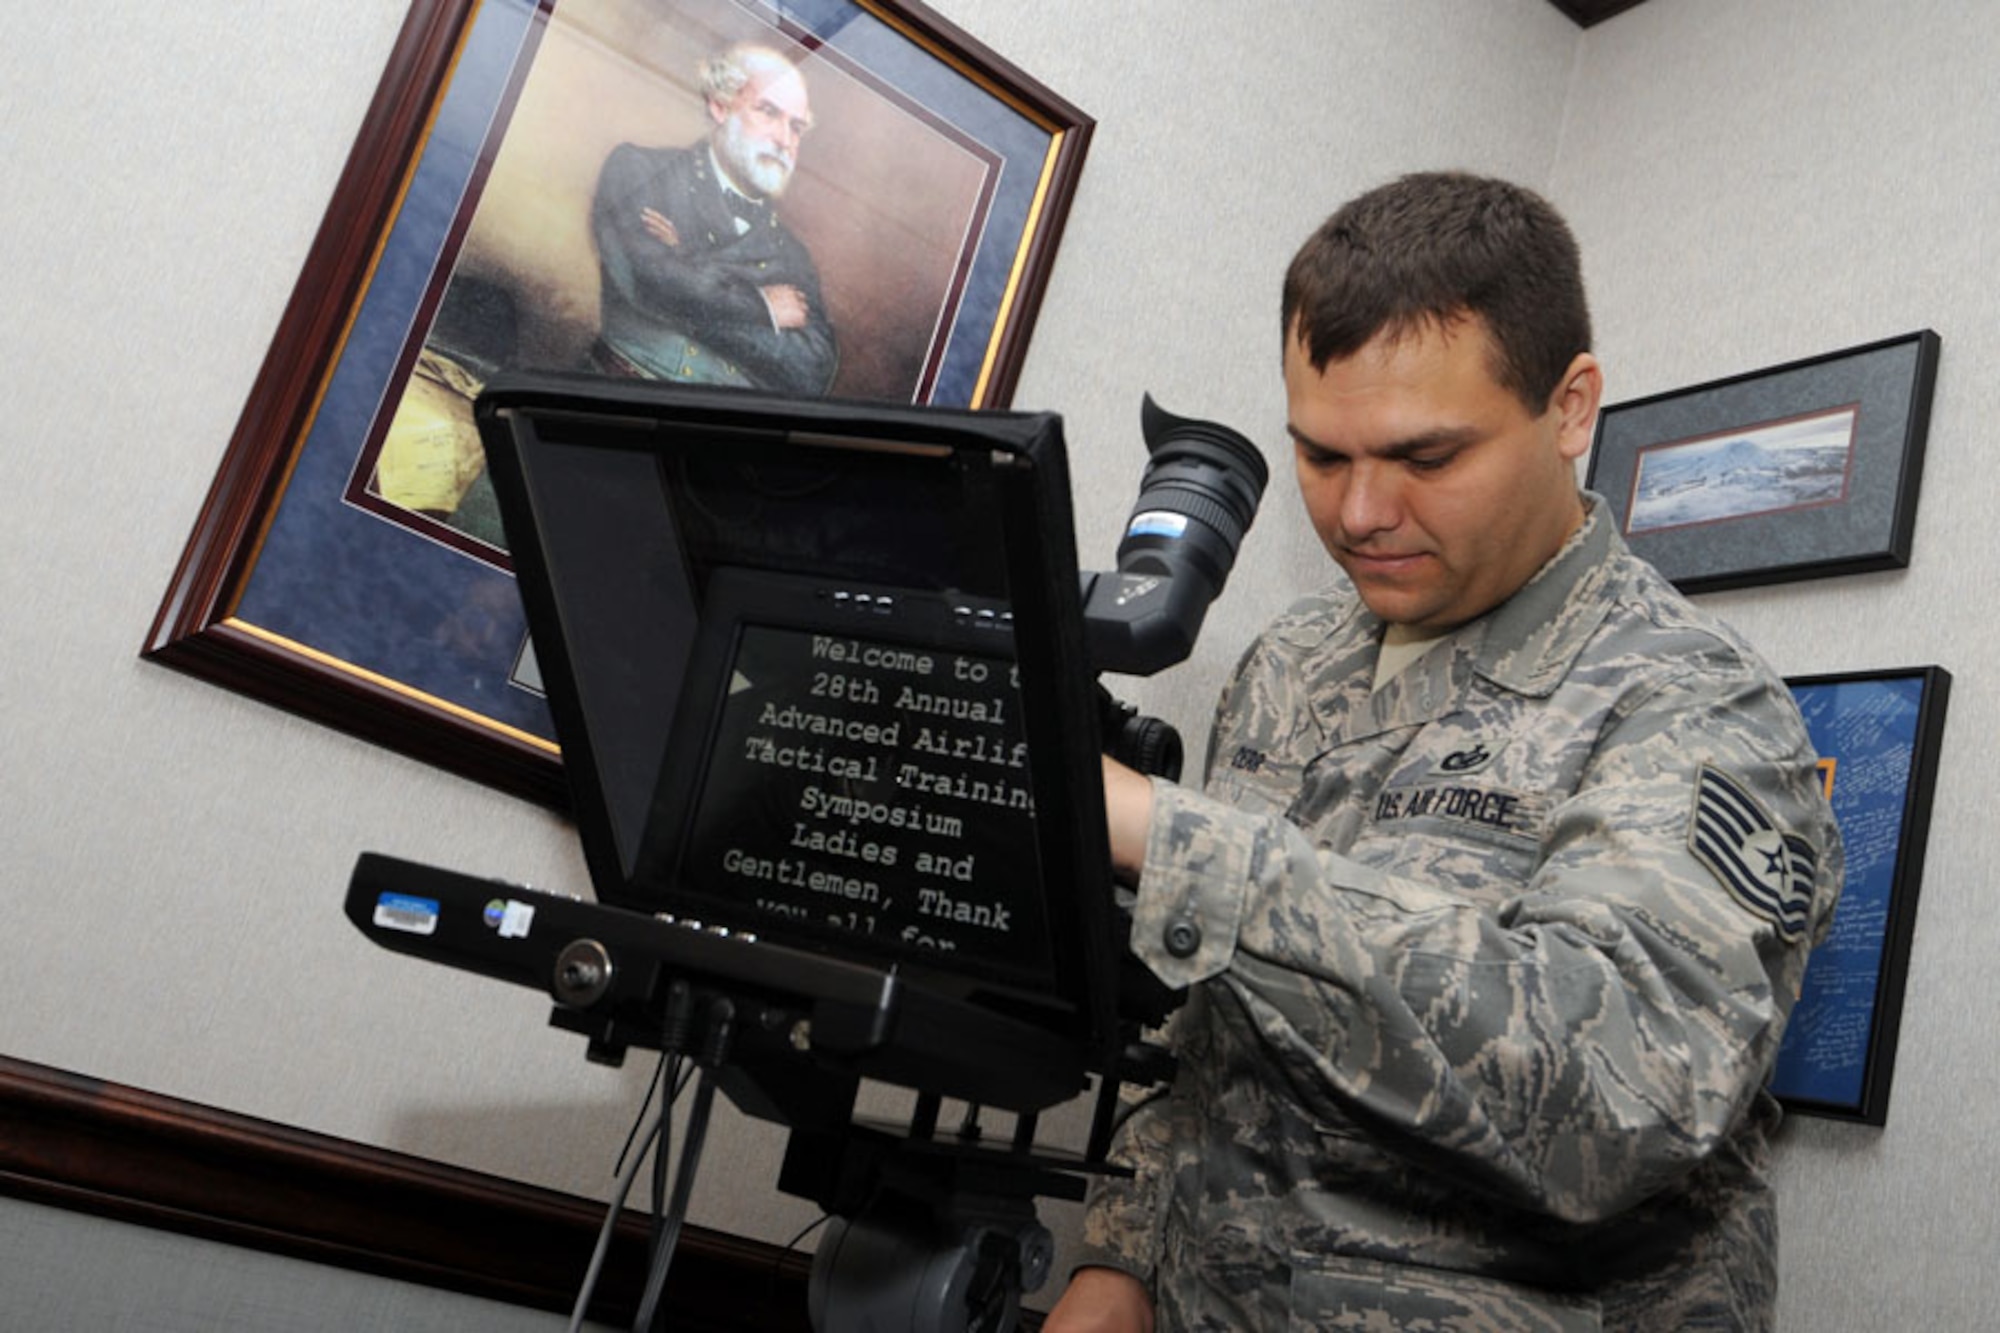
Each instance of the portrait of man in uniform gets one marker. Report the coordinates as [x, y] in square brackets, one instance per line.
[680, 191]
[701, 280]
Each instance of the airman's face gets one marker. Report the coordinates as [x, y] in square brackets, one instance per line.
[1434, 487]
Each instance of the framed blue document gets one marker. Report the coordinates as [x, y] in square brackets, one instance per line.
[1877, 733]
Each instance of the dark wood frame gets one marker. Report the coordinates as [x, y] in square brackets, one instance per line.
[197, 629]
[1870, 527]
[97, 1147]
[1898, 926]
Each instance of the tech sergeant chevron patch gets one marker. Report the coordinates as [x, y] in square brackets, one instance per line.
[1767, 870]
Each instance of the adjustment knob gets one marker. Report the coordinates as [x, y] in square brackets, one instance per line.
[582, 975]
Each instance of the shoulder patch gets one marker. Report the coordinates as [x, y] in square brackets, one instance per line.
[1768, 871]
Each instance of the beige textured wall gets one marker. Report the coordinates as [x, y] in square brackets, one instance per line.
[1751, 183]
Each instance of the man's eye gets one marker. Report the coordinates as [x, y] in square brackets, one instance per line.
[1428, 462]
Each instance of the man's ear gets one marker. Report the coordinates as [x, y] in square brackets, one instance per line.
[718, 110]
[1577, 398]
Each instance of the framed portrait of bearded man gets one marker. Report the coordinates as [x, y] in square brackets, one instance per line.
[815, 197]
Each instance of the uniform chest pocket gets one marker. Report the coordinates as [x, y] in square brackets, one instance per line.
[1335, 1294]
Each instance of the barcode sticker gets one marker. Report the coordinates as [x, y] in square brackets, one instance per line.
[401, 911]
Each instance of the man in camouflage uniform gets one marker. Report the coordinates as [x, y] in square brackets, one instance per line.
[1502, 882]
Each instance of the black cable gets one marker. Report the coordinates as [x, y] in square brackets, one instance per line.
[648, 1139]
[778, 1259]
[653, 1136]
[802, 1233]
[659, 1189]
[713, 1053]
[682, 1071]
[661, 1074]
[663, 1247]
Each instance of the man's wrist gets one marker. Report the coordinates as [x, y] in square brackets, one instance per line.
[1128, 813]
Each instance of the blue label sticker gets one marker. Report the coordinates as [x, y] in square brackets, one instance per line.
[1157, 523]
[402, 911]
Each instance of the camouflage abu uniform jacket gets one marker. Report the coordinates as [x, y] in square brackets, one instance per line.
[1492, 964]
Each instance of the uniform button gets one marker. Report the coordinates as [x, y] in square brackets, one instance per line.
[1183, 938]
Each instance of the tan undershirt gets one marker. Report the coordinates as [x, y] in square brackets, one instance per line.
[1401, 646]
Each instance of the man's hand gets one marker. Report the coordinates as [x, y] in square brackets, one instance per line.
[658, 226]
[1128, 810]
[1102, 1300]
[788, 305]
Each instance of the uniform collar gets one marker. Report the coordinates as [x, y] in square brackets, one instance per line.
[1527, 643]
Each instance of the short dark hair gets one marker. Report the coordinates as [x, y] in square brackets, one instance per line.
[1432, 248]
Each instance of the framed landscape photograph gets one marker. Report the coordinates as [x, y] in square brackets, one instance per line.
[1801, 471]
[1878, 735]
[811, 197]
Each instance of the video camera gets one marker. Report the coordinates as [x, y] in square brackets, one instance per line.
[825, 678]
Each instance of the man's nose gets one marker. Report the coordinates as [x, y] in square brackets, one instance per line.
[1372, 500]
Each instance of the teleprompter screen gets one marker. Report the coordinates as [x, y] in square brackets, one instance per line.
[861, 788]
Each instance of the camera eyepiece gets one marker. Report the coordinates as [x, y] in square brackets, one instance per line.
[1197, 498]
[1201, 487]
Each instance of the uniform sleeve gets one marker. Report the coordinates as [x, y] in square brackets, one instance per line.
[1573, 1051]
[802, 360]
